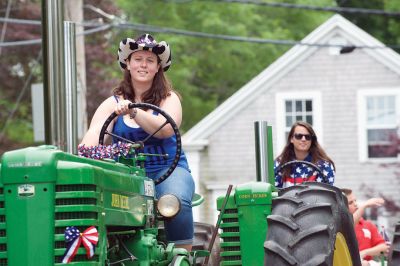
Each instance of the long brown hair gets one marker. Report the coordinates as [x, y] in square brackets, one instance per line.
[316, 151]
[160, 88]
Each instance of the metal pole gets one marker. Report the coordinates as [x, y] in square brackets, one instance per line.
[48, 136]
[270, 157]
[71, 132]
[74, 12]
[260, 128]
[264, 154]
[53, 69]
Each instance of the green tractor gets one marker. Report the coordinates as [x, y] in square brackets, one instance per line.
[109, 206]
[44, 191]
[307, 224]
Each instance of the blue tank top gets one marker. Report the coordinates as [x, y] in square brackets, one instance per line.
[152, 145]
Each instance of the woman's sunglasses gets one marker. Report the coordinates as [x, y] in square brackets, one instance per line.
[299, 136]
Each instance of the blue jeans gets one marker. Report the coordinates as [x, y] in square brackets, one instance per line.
[179, 229]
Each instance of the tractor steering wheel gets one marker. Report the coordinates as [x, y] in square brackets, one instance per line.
[320, 172]
[169, 120]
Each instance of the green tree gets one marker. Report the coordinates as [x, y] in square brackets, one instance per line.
[385, 28]
[20, 66]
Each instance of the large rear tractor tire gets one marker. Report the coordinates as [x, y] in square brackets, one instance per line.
[394, 254]
[310, 225]
[202, 237]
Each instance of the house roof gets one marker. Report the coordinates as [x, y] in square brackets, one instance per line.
[198, 135]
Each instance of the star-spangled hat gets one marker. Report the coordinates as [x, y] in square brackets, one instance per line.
[144, 42]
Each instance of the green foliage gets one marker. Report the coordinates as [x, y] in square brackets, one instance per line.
[18, 66]
[20, 131]
[384, 28]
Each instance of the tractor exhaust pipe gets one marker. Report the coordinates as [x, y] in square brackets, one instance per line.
[264, 152]
[70, 93]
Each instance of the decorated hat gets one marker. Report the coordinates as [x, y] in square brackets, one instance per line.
[144, 42]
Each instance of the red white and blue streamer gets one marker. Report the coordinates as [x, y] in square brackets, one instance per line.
[74, 239]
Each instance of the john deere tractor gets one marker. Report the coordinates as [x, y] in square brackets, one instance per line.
[57, 208]
[307, 224]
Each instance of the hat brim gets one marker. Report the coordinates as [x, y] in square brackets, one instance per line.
[128, 46]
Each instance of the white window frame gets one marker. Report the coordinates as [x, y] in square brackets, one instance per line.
[362, 121]
[280, 99]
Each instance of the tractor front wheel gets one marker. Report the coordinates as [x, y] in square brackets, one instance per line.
[202, 238]
[310, 225]
[179, 260]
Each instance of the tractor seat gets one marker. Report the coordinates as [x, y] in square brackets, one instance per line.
[197, 199]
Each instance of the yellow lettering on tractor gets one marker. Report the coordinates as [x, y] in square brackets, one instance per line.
[124, 202]
[253, 196]
[119, 201]
[115, 200]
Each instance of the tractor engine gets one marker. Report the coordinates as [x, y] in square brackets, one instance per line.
[244, 224]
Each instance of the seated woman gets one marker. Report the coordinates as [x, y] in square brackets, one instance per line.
[143, 62]
[302, 145]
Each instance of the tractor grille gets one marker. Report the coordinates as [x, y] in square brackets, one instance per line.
[230, 244]
[76, 205]
[3, 245]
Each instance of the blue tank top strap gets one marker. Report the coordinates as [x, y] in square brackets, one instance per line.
[116, 98]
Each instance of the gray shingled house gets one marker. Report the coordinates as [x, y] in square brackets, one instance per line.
[352, 100]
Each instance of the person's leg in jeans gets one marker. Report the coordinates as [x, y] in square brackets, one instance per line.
[179, 229]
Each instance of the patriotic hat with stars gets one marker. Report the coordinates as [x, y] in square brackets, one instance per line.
[144, 42]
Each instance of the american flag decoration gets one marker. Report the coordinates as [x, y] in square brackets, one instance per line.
[74, 239]
[302, 172]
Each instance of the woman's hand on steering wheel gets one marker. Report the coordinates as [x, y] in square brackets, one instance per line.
[122, 108]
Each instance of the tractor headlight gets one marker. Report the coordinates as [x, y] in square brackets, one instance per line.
[168, 205]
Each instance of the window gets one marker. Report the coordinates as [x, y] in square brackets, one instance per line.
[379, 124]
[292, 107]
[297, 110]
